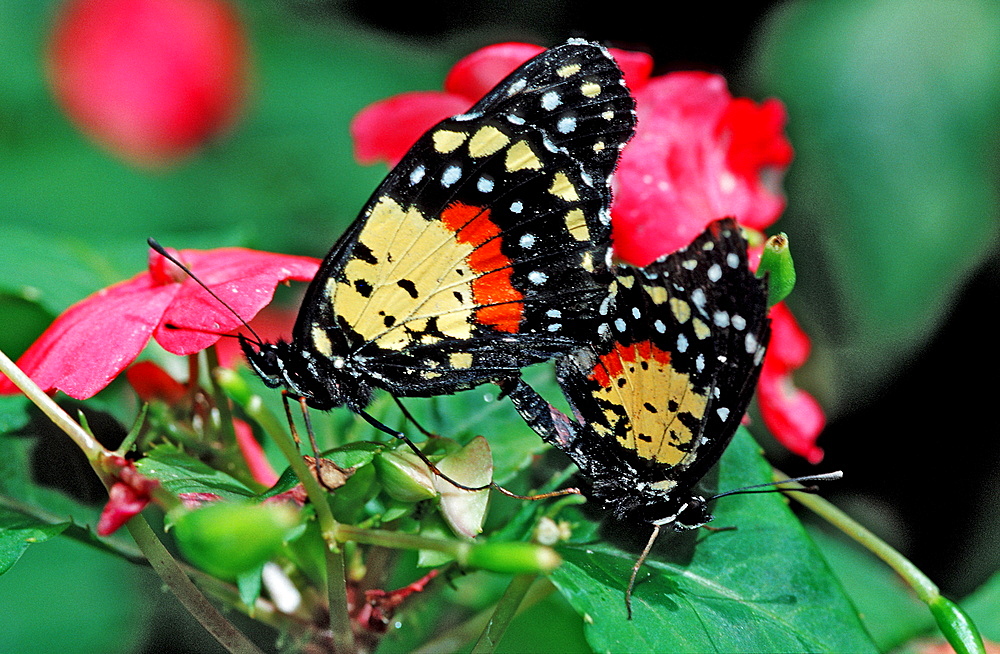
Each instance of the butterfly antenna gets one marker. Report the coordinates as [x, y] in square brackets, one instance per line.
[775, 486]
[159, 249]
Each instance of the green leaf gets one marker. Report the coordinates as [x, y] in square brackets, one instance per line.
[18, 531]
[759, 587]
[886, 605]
[982, 606]
[182, 473]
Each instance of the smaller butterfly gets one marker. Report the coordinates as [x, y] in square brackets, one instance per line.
[661, 390]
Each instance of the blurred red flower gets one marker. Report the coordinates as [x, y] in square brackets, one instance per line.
[149, 80]
[698, 155]
[95, 339]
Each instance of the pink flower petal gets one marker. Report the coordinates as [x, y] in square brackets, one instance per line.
[244, 279]
[260, 468]
[95, 339]
[792, 415]
[475, 75]
[677, 174]
[124, 502]
[386, 130]
[151, 382]
[789, 344]
[150, 80]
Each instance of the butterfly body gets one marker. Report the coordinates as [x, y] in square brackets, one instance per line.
[481, 251]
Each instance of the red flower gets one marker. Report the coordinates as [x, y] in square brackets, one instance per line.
[150, 80]
[128, 495]
[792, 415]
[95, 339]
[698, 155]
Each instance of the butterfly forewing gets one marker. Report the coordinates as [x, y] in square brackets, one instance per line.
[476, 255]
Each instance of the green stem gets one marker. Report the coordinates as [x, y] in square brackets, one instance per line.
[956, 626]
[165, 566]
[336, 581]
[221, 402]
[397, 540]
[504, 612]
[184, 589]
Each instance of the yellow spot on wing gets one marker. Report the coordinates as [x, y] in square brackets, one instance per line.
[486, 141]
[590, 89]
[446, 140]
[568, 70]
[701, 330]
[658, 294]
[427, 258]
[680, 309]
[576, 223]
[563, 188]
[460, 360]
[626, 280]
[520, 156]
[321, 341]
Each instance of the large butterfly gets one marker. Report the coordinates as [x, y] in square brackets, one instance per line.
[477, 255]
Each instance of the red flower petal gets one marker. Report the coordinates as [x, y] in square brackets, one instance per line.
[793, 416]
[151, 382]
[412, 114]
[474, 75]
[95, 339]
[243, 279]
[789, 344]
[123, 503]
[150, 80]
[386, 130]
[677, 174]
[260, 468]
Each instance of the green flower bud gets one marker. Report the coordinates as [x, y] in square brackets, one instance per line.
[776, 261]
[513, 558]
[404, 476]
[227, 539]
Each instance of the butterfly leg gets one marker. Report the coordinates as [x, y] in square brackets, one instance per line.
[413, 421]
[403, 437]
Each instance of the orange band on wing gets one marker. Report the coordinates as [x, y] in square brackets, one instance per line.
[610, 366]
[501, 305]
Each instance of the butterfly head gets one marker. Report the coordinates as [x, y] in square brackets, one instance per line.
[320, 381]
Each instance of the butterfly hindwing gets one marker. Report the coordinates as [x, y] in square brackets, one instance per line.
[475, 257]
[660, 392]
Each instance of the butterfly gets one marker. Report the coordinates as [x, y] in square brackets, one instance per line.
[660, 391]
[477, 254]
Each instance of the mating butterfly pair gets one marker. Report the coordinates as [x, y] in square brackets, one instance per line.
[486, 250]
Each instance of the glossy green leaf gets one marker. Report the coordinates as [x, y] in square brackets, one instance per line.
[182, 473]
[887, 606]
[18, 531]
[761, 587]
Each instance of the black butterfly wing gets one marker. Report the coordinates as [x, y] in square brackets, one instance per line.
[475, 257]
[679, 352]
